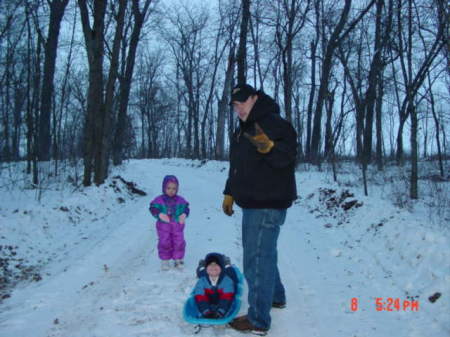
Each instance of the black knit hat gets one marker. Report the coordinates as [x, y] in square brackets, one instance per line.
[242, 92]
[210, 258]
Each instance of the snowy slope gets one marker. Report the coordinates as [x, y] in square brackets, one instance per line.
[101, 276]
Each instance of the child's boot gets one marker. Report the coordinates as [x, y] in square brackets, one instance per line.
[165, 265]
[179, 264]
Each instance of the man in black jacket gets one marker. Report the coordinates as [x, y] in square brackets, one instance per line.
[261, 181]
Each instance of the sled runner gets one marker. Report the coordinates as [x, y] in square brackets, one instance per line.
[191, 312]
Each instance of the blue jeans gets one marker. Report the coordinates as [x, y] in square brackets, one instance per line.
[260, 231]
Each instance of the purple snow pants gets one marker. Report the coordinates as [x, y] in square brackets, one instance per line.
[171, 243]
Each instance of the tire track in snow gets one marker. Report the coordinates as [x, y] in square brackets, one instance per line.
[121, 256]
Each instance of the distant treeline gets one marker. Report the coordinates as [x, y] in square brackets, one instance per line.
[117, 79]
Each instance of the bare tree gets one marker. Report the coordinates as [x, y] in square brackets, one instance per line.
[379, 127]
[413, 81]
[98, 124]
[291, 18]
[241, 57]
[140, 17]
[380, 63]
[58, 148]
[102, 154]
[437, 124]
[265, 57]
[57, 8]
[150, 105]
[313, 46]
[223, 106]
[216, 59]
[34, 109]
[365, 99]
[340, 31]
[187, 46]
[94, 39]
[12, 74]
[229, 21]
[10, 12]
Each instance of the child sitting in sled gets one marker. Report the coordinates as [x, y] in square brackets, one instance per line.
[215, 290]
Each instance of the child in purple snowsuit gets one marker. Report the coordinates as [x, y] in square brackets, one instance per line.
[171, 211]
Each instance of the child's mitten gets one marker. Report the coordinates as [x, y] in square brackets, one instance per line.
[164, 217]
[182, 218]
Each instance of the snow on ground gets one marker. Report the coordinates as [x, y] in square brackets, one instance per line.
[95, 250]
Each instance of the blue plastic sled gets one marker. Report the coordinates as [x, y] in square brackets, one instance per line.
[190, 310]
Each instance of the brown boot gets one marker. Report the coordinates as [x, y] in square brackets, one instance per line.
[244, 325]
[240, 318]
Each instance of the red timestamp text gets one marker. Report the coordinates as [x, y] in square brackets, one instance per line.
[389, 304]
[395, 304]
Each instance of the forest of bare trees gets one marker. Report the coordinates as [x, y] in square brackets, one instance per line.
[102, 81]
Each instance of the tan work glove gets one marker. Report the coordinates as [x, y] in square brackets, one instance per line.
[260, 140]
[227, 205]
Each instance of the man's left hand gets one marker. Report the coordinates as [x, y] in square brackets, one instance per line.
[260, 140]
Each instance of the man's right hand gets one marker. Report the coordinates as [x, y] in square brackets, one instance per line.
[227, 205]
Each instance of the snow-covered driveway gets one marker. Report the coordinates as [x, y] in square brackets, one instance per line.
[114, 287]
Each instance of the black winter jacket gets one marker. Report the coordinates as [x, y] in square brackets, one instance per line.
[258, 180]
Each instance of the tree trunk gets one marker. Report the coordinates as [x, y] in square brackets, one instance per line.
[196, 112]
[414, 188]
[413, 83]
[57, 8]
[125, 83]
[33, 80]
[29, 111]
[217, 57]
[373, 79]
[437, 127]
[241, 57]
[327, 64]
[333, 43]
[290, 21]
[379, 126]
[223, 109]
[358, 101]
[94, 39]
[35, 113]
[102, 159]
[328, 127]
[64, 102]
[311, 100]
[5, 152]
[19, 99]
[287, 79]
[412, 110]
[256, 38]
